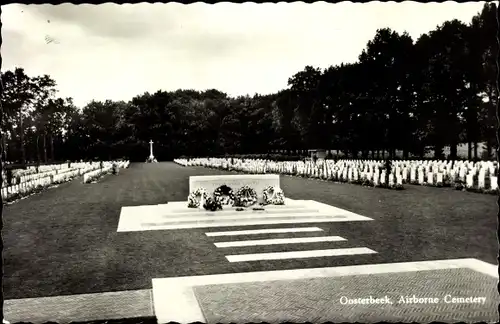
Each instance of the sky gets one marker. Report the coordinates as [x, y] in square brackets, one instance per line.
[116, 52]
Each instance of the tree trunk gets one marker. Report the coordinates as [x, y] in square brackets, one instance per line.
[52, 148]
[4, 147]
[38, 149]
[488, 148]
[469, 149]
[475, 149]
[21, 134]
[45, 148]
[453, 151]
[438, 151]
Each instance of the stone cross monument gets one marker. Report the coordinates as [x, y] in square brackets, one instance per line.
[151, 156]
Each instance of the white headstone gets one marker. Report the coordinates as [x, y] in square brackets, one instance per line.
[481, 180]
[470, 180]
[439, 178]
[430, 178]
[494, 183]
[421, 177]
[382, 178]
[413, 175]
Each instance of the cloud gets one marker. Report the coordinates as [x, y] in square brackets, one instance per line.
[106, 20]
[118, 51]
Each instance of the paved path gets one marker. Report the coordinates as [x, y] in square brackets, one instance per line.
[65, 241]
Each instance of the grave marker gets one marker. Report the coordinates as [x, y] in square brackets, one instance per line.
[470, 180]
[430, 178]
[256, 181]
[421, 177]
[481, 180]
[494, 183]
[439, 178]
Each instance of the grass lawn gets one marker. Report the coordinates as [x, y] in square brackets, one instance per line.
[65, 240]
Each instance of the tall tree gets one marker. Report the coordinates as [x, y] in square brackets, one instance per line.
[387, 60]
[304, 87]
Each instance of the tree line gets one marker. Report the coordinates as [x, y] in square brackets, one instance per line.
[401, 94]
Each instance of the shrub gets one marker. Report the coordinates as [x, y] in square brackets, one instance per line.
[459, 185]
[398, 187]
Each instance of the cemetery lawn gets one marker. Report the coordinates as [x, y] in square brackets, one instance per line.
[65, 240]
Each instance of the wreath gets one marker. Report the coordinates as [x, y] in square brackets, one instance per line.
[274, 196]
[224, 195]
[195, 198]
[212, 204]
[245, 197]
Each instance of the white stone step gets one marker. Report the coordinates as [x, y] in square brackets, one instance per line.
[298, 254]
[280, 241]
[204, 214]
[266, 231]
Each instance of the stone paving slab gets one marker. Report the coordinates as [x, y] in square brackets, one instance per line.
[79, 308]
[318, 300]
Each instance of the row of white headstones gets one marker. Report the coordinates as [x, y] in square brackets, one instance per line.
[478, 175]
[26, 181]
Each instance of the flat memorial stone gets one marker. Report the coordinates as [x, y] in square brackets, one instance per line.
[256, 181]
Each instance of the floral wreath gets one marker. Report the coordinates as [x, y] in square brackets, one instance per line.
[212, 204]
[195, 198]
[245, 197]
[224, 195]
[274, 196]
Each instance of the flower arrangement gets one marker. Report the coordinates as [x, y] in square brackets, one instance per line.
[224, 195]
[212, 204]
[274, 196]
[245, 197]
[197, 197]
